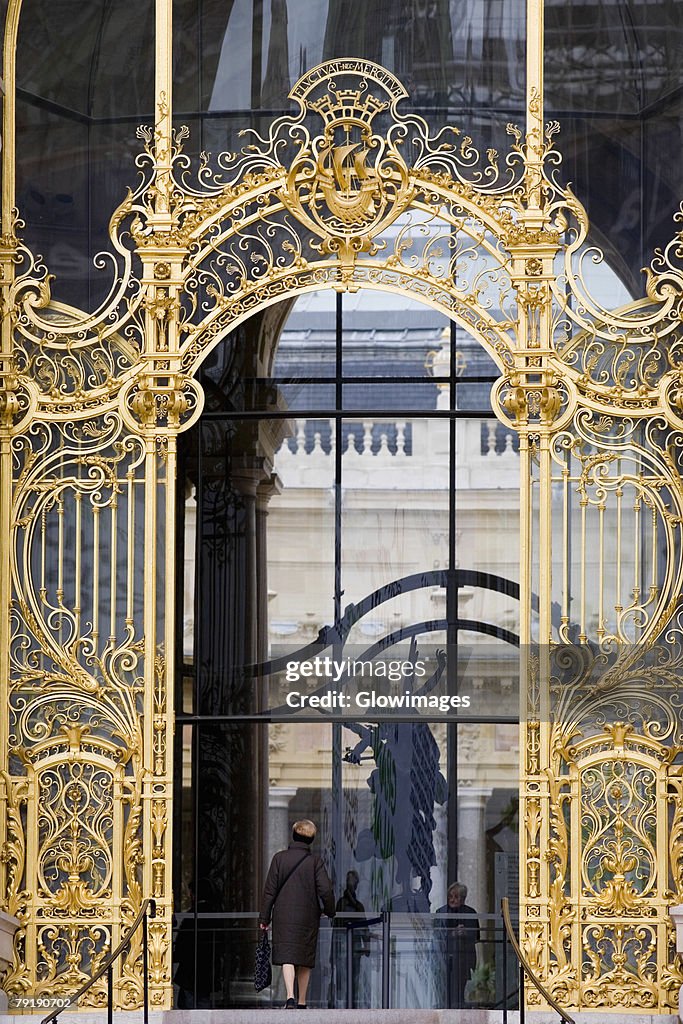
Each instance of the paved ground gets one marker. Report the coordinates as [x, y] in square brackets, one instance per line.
[312, 1016]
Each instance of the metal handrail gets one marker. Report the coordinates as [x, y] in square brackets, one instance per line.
[106, 968]
[524, 963]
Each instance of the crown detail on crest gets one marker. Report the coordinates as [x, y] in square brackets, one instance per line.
[348, 181]
[348, 105]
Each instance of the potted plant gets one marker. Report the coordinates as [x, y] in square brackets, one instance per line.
[481, 987]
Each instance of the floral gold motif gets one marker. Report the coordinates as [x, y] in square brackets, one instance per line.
[91, 404]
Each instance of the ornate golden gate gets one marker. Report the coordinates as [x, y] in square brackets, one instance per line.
[349, 192]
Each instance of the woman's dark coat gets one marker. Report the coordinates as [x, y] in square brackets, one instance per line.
[296, 911]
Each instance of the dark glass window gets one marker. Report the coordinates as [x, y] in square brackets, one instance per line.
[348, 495]
[613, 80]
[85, 80]
[235, 62]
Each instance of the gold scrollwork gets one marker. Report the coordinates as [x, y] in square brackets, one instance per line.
[162, 402]
[89, 407]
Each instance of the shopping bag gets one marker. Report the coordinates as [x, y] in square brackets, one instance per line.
[263, 972]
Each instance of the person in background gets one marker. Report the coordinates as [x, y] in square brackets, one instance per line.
[348, 903]
[460, 945]
[296, 886]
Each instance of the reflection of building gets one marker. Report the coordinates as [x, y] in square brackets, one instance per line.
[396, 520]
[395, 496]
[133, 763]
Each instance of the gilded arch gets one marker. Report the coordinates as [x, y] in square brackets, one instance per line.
[349, 192]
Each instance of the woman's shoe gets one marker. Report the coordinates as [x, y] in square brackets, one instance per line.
[290, 1004]
[301, 1006]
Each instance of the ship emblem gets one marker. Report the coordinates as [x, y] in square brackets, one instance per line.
[351, 188]
[350, 181]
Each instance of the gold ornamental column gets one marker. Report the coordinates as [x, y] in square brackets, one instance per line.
[533, 402]
[161, 400]
[15, 403]
[90, 408]
[157, 404]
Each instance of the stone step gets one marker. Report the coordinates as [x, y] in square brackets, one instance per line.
[318, 1016]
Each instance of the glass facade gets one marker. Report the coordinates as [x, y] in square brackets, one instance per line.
[76, 118]
[384, 522]
[613, 81]
[446, 498]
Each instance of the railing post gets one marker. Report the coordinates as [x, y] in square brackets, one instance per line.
[521, 994]
[524, 968]
[110, 994]
[148, 906]
[386, 963]
[349, 966]
[145, 979]
[505, 975]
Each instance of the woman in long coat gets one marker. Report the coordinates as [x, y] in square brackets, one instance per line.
[296, 892]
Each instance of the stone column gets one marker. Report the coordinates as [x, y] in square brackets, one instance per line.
[265, 490]
[8, 926]
[190, 565]
[676, 914]
[247, 476]
[472, 845]
[439, 873]
[278, 818]
[247, 473]
[231, 787]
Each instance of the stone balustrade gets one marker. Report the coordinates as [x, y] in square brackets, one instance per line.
[405, 454]
[9, 925]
